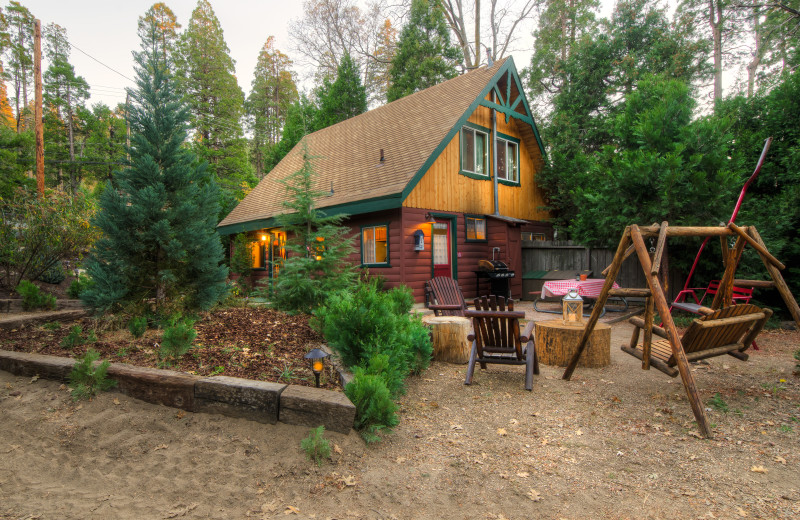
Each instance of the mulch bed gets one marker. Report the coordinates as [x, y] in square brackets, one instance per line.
[260, 344]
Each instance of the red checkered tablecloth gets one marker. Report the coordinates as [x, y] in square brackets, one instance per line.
[589, 288]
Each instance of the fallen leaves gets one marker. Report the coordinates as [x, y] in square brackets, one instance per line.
[116, 402]
[502, 432]
[780, 460]
[758, 469]
[291, 510]
[181, 512]
[160, 447]
[534, 495]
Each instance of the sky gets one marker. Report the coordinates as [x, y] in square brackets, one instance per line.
[106, 31]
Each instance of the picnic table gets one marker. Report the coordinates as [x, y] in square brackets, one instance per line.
[588, 289]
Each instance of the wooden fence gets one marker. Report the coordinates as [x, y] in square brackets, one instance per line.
[565, 255]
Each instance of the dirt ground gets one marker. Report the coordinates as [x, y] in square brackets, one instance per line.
[615, 442]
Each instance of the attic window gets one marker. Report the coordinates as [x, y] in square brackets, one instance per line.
[508, 159]
[474, 151]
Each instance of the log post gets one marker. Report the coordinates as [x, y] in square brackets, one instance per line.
[777, 277]
[758, 247]
[648, 333]
[725, 291]
[616, 264]
[674, 340]
[449, 336]
[555, 344]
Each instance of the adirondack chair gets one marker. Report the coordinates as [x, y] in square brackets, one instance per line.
[730, 330]
[496, 338]
[443, 296]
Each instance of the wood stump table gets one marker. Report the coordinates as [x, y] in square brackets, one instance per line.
[556, 343]
[449, 334]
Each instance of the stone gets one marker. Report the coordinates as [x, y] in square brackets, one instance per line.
[26, 364]
[236, 397]
[152, 385]
[312, 407]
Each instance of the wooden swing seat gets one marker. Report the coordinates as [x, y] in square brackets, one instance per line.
[727, 331]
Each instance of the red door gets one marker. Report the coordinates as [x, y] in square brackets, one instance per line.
[440, 233]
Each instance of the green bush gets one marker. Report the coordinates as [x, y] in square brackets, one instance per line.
[86, 379]
[138, 326]
[54, 274]
[80, 284]
[34, 298]
[366, 322]
[375, 410]
[76, 337]
[177, 340]
[316, 446]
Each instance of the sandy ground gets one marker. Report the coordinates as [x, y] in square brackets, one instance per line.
[615, 442]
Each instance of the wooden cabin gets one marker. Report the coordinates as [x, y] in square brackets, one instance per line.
[417, 179]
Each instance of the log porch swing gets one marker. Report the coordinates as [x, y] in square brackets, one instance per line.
[633, 241]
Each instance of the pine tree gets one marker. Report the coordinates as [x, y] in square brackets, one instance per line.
[273, 92]
[159, 239]
[20, 57]
[346, 97]
[300, 120]
[206, 76]
[425, 56]
[318, 245]
[166, 28]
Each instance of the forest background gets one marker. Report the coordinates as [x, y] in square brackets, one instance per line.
[649, 113]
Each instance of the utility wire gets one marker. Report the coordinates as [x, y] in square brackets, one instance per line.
[98, 61]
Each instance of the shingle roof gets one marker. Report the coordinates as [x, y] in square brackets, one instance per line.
[348, 153]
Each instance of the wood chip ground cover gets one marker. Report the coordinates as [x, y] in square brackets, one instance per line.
[260, 344]
[616, 442]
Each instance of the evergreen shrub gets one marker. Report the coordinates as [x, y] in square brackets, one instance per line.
[137, 326]
[33, 298]
[317, 447]
[80, 284]
[54, 274]
[366, 322]
[375, 410]
[86, 379]
[177, 340]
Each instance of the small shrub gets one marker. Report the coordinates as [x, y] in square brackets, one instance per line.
[366, 322]
[80, 284]
[34, 298]
[54, 274]
[53, 325]
[316, 446]
[86, 379]
[375, 410]
[74, 338]
[137, 326]
[177, 340]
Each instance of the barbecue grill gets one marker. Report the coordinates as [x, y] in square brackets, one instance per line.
[499, 276]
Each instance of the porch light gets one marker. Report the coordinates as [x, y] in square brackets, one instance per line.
[317, 359]
[572, 309]
[429, 219]
[263, 238]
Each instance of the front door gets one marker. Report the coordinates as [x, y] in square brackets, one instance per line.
[440, 232]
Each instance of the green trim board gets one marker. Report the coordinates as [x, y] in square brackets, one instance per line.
[453, 241]
[349, 208]
[507, 68]
[388, 246]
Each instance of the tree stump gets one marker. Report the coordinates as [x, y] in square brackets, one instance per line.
[556, 343]
[449, 334]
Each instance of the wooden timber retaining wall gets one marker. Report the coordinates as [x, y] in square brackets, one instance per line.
[540, 255]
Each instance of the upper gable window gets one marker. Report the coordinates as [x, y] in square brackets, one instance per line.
[474, 151]
[508, 160]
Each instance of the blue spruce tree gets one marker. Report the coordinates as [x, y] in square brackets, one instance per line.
[158, 221]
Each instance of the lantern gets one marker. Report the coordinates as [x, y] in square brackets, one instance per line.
[317, 359]
[572, 308]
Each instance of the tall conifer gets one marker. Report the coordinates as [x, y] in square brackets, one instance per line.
[158, 221]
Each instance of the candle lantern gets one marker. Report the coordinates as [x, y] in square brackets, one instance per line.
[317, 359]
[572, 308]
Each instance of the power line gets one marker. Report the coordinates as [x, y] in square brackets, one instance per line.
[100, 62]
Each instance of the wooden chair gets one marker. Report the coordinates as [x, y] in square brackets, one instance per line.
[739, 295]
[496, 338]
[443, 296]
[727, 331]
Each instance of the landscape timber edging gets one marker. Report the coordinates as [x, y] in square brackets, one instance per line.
[231, 396]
